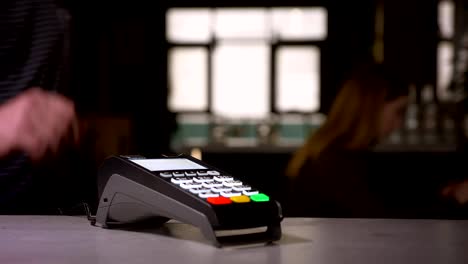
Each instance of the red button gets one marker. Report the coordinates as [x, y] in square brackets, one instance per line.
[219, 200]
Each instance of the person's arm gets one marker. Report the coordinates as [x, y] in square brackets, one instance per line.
[35, 122]
[457, 191]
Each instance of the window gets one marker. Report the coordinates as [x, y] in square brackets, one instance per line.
[220, 60]
[240, 80]
[446, 15]
[445, 49]
[241, 24]
[243, 65]
[300, 23]
[188, 25]
[298, 79]
[191, 92]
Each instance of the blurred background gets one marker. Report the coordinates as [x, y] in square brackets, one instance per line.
[241, 84]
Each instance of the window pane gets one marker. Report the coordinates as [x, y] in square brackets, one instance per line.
[188, 24]
[446, 18]
[241, 80]
[444, 68]
[241, 23]
[188, 79]
[300, 23]
[298, 79]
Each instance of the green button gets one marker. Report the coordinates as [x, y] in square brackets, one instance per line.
[260, 197]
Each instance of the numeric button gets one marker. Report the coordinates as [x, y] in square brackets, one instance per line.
[230, 194]
[190, 173]
[202, 179]
[202, 173]
[165, 174]
[222, 178]
[212, 184]
[221, 189]
[208, 194]
[179, 180]
[190, 185]
[232, 183]
[200, 190]
[241, 188]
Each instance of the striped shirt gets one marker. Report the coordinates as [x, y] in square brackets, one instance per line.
[29, 51]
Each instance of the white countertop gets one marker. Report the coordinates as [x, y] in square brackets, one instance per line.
[68, 239]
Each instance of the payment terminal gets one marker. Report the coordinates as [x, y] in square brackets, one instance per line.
[135, 189]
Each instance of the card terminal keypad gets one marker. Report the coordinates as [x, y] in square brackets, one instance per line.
[214, 187]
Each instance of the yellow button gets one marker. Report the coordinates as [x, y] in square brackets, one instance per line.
[240, 199]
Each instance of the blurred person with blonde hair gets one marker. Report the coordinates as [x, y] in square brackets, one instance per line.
[335, 174]
[330, 171]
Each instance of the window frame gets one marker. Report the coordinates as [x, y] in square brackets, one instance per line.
[274, 44]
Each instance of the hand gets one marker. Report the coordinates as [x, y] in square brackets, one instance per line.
[458, 191]
[36, 122]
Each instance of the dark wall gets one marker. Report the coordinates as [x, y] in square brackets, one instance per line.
[119, 67]
[350, 39]
[411, 39]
